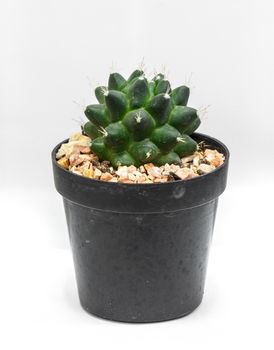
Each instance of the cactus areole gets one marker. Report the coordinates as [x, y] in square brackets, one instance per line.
[139, 121]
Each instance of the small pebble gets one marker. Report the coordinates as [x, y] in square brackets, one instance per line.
[124, 180]
[85, 150]
[97, 173]
[106, 176]
[154, 171]
[64, 162]
[88, 173]
[137, 174]
[205, 168]
[185, 173]
[131, 177]
[142, 169]
[122, 171]
[114, 179]
[75, 160]
[141, 179]
[131, 169]
[196, 160]
[213, 157]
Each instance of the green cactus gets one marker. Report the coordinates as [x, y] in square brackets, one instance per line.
[138, 121]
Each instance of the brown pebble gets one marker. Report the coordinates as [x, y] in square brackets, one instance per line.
[185, 173]
[213, 157]
[217, 162]
[125, 180]
[106, 176]
[75, 160]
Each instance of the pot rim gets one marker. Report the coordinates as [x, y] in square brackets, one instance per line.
[194, 179]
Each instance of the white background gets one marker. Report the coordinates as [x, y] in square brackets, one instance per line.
[56, 52]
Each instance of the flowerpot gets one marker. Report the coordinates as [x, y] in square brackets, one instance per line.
[140, 250]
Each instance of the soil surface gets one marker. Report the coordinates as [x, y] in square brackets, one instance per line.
[77, 157]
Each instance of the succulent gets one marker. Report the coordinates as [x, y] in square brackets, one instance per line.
[139, 121]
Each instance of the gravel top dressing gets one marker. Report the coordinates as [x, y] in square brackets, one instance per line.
[77, 157]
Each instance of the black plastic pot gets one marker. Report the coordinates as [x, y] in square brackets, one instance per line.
[140, 250]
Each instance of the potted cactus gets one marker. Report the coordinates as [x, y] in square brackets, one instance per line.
[141, 217]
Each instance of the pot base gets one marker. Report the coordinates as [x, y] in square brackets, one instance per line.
[164, 319]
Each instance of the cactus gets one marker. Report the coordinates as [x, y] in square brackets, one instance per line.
[138, 121]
